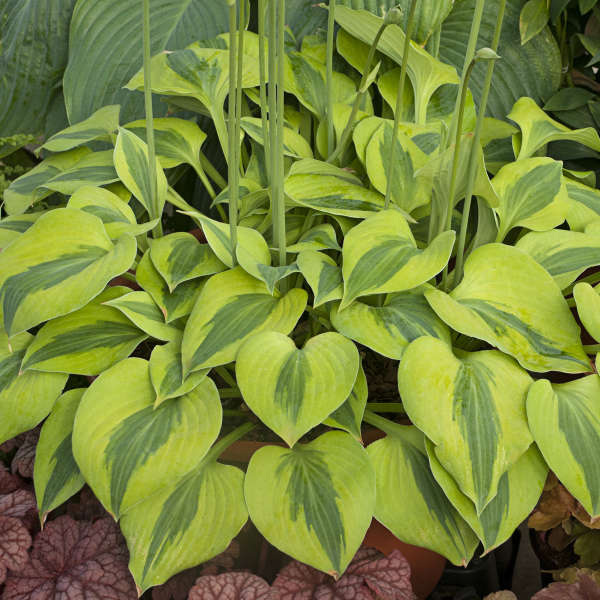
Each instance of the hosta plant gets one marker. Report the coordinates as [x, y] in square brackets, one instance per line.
[371, 214]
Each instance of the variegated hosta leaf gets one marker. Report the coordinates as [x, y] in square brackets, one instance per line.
[176, 141]
[96, 168]
[58, 265]
[407, 190]
[292, 390]
[231, 307]
[584, 205]
[315, 501]
[322, 274]
[320, 237]
[185, 523]
[142, 311]
[519, 490]
[166, 373]
[513, 303]
[173, 305]
[565, 422]
[56, 475]
[424, 517]
[349, 415]
[472, 408]
[12, 227]
[126, 449]
[332, 195]
[381, 255]
[564, 254]
[531, 195]
[538, 129]
[294, 144]
[588, 307]
[388, 329]
[311, 166]
[362, 134]
[132, 165]
[85, 342]
[26, 190]
[179, 257]
[25, 398]
[99, 125]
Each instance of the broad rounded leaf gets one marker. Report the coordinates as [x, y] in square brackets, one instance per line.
[472, 408]
[12, 227]
[513, 303]
[380, 256]
[14, 544]
[58, 265]
[231, 307]
[322, 274]
[127, 449]
[588, 307]
[565, 422]
[231, 586]
[315, 501]
[56, 476]
[534, 17]
[584, 205]
[290, 389]
[320, 237]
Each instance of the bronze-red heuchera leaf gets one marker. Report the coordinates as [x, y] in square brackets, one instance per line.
[585, 588]
[14, 544]
[24, 458]
[231, 586]
[369, 576]
[74, 560]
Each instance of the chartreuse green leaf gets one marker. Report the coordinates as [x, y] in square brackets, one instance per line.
[179, 257]
[58, 265]
[311, 166]
[98, 125]
[507, 299]
[142, 311]
[56, 476]
[26, 190]
[531, 195]
[166, 373]
[85, 342]
[12, 227]
[117, 216]
[425, 517]
[176, 141]
[319, 237]
[126, 449]
[588, 307]
[362, 134]
[408, 190]
[584, 205]
[425, 72]
[349, 415]
[292, 390]
[25, 398]
[533, 18]
[380, 256]
[538, 129]
[388, 329]
[332, 195]
[315, 501]
[172, 305]
[294, 144]
[131, 162]
[95, 168]
[519, 490]
[322, 274]
[231, 307]
[480, 427]
[185, 523]
[565, 423]
[564, 254]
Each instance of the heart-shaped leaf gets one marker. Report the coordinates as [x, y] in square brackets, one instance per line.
[231, 307]
[480, 427]
[388, 329]
[292, 390]
[12, 227]
[56, 476]
[58, 265]
[322, 274]
[528, 319]
[126, 448]
[315, 501]
[565, 422]
[425, 517]
[381, 255]
[588, 307]
[584, 205]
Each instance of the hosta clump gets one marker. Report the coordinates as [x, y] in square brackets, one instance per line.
[316, 250]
